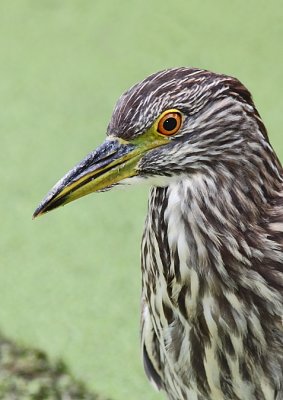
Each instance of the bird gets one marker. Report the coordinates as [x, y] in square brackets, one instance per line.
[211, 251]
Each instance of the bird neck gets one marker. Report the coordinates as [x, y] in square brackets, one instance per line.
[214, 234]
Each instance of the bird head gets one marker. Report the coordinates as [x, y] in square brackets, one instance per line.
[174, 123]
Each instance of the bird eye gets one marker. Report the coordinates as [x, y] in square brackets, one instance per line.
[170, 123]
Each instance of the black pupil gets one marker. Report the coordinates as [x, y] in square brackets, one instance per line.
[170, 124]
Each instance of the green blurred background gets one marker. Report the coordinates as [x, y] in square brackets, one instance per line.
[70, 282]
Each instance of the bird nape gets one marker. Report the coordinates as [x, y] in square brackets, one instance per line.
[212, 256]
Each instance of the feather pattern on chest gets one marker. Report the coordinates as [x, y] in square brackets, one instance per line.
[212, 297]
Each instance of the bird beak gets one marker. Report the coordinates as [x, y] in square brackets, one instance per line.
[113, 161]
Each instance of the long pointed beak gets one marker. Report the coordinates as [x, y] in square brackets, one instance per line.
[111, 162]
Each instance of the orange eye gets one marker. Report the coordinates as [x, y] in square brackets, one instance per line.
[170, 123]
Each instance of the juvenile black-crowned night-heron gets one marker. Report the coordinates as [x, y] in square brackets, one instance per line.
[212, 259]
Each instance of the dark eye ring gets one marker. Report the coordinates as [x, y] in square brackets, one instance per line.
[170, 123]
